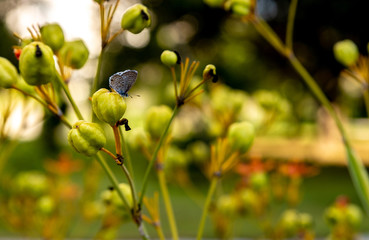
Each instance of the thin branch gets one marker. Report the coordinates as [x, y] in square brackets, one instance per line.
[290, 23]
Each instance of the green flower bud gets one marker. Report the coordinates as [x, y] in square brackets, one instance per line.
[136, 18]
[259, 180]
[108, 106]
[175, 158]
[126, 190]
[106, 196]
[354, 215]
[74, 54]
[334, 215]
[249, 200]
[93, 210]
[227, 205]
[199, 151]
[170, 58]
[86, 138]
[239, 8]
[346, 52]
[36, 63]
[25, 42]
[45, 205]
[214, 3]
[240, 136]
[209, 73]
[290, 222]
[8, 73]
[138, 138]
[157, 119]
[221, 101]
[33, 183]
[305, 221]
[53, 36]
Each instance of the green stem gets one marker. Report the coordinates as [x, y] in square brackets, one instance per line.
[154, 155]
[357, 170]
[42, 102]
[269, 35]
[132, 186]
[160, 233]
[205, 210]
[127, 157]
[69, 96]
[168, 204]
[290, 24]
[46, 106]
[136, 214]
[359, 176]
[317, 91]
[112, 178]
[115, 183]
[96, 81]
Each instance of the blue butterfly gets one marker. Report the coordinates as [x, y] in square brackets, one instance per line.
[121, 82]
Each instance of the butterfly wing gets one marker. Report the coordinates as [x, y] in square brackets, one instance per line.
[121, 82]
[129, 78]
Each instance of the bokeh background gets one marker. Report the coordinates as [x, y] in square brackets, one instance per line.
[244, 61]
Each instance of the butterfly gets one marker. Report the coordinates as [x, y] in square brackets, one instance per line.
[121, 82]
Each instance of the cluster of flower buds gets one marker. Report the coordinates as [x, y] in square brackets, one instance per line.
[186, 90]
[86, 138]
[31, 183]
[238, 8]
[293, 223]
[343, 215]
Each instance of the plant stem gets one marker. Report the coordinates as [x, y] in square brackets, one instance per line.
[118, 145]
[357, 170]
[290, 24]
[108, 152]
[205, 210]
[56, 112]
[132, 186]
[168, 204]
[127, 157]
[112, 178]
[70, 98]
[174, 78]
[269, 35]
[155, 154]
[96, 81]
[114, 181]
[317, 91]
[160, 232]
